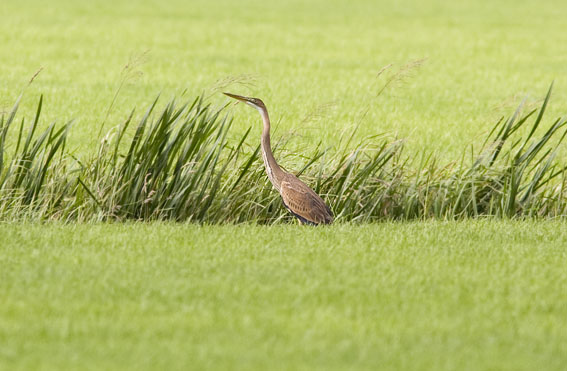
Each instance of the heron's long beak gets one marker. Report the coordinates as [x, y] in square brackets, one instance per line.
[237, 97]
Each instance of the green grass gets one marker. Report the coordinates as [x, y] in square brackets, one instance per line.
[179, 165]
[323, 70]
[470, 296]
[483, 57]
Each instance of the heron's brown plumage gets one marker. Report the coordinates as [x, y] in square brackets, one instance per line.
[303, 202]
[297, 197]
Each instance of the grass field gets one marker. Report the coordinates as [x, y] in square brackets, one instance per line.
[462, 296]
[313, 59]
[471, 295]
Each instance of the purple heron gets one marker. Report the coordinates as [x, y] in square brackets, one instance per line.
[297, 197]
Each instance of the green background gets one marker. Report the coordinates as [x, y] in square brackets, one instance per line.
[473, 295]
[313, 62]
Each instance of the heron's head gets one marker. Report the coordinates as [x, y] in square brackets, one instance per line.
[253, 102]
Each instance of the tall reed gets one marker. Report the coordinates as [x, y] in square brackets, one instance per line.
[178, 163]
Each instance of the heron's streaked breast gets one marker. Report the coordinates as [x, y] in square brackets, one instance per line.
[269, 170]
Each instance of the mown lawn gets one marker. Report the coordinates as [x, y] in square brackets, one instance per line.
[475, 295]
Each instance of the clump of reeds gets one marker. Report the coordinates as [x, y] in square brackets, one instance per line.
[178, 164]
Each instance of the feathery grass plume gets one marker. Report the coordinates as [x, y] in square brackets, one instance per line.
[130, 71]
[177, 163]
[400, 76]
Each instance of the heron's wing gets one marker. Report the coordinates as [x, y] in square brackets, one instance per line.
[303, 201]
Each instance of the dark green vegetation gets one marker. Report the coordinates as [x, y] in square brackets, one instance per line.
[179, 165]
[480, 295]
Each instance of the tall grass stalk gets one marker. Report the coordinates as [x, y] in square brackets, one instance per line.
[178, 163]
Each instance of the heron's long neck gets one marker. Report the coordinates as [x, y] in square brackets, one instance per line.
[275, 173]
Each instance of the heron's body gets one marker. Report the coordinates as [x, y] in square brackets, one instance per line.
[297, 197]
